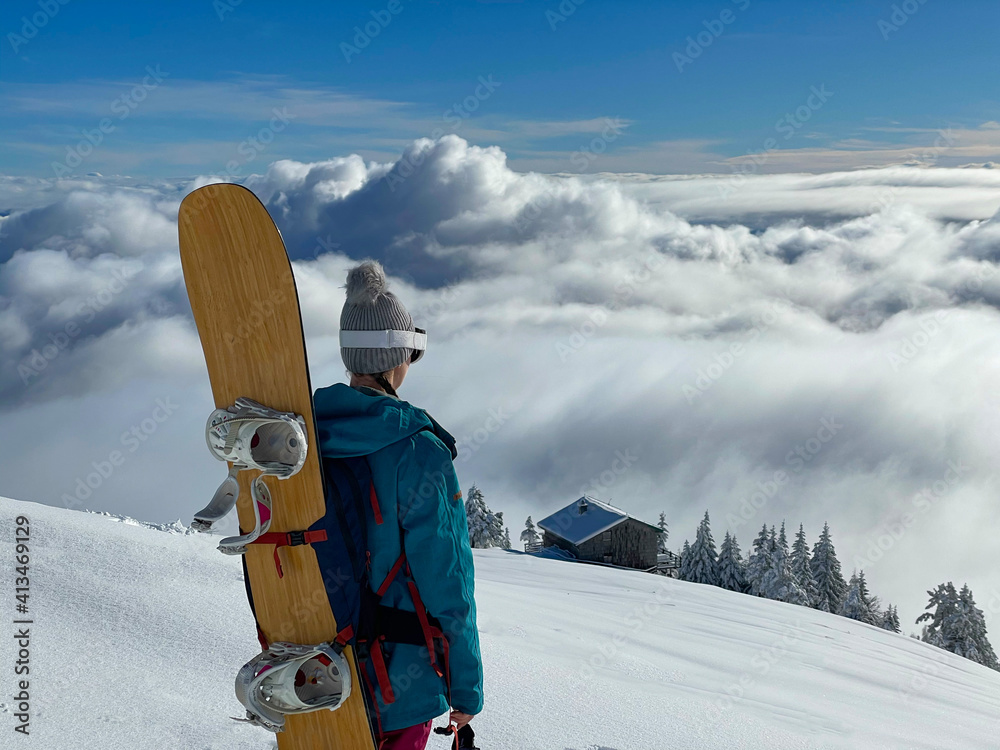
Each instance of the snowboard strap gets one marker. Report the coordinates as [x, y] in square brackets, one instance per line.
[289, 539]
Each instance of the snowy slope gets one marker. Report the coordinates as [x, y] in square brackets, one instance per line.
[139, 630]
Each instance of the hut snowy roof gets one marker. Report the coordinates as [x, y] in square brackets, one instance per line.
[584, 519]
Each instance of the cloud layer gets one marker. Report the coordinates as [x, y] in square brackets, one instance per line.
[785, 346]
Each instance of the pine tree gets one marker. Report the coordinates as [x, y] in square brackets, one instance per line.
[779, 583]
[944, 601]
[759, 563]
[830, 585]
[853, 605]
[485, 527]
[890, 619]
[497, 530]
[684, 572]
[661, 543]
[732, 569]
[704, 558]
[801, 571]
[957, 625]
[530, 534]
[872, 605]
[506, 538]
[857, 604]
[970, 632]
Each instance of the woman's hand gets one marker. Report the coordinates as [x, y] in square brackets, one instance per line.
[457, 717]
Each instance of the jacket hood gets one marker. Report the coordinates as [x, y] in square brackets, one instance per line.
[350, 422]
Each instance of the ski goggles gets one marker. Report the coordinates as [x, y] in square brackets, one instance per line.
[388, 339]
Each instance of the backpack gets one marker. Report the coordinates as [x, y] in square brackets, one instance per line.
[340, 541]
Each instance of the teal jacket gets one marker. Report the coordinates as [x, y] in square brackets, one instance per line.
[411, 456]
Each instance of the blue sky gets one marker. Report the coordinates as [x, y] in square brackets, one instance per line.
[599, 86]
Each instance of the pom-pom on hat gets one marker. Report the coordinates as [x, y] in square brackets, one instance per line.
[370, 306]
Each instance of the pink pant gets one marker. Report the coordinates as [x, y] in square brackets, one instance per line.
[411, 738]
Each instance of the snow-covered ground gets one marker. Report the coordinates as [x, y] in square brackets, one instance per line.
[138, 631]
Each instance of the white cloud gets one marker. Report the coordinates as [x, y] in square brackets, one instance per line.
[599, 314]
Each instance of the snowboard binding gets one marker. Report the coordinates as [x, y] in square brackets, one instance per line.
[292, 679]
[251, 436]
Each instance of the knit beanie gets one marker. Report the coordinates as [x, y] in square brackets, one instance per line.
[371, 307]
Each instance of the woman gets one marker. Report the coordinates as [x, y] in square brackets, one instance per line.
[419, 517]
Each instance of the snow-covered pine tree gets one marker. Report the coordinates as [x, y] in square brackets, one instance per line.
[872, 604]
[853, 606]
[498, 533]
[732, 569]
[857, 604]
[957, 625]
[830, 585]
[661, 543]
[506, 538]
[704, 558]
[801, 572]
[485, 527]
[779, 583]
[530, 534]
[478, 517]
[684, 572]
[970, 635]
[944, 601]
[890, 619]
[759, 562]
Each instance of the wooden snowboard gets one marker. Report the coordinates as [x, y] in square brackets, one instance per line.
[242, 293]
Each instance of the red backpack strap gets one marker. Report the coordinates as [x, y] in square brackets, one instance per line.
[391, 576]
[373, 498]
[429, 633]
[381, 672]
